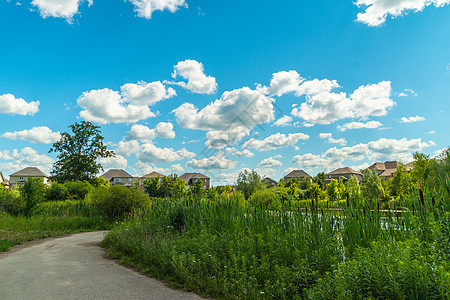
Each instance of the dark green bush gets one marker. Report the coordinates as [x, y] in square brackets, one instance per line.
[77, 190]
[267, 198]
[12, 203]
[32, 193]
[117, 201]
[56, 192]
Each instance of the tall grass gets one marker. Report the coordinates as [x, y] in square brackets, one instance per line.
[228, 250]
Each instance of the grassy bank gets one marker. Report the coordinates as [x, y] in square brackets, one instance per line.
[229, 250]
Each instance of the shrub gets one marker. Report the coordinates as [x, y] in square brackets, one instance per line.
[77, 190]
[32, 193]
[117, 201]
[66, 208]
[12, 203]
[56, 191]
[268, 198]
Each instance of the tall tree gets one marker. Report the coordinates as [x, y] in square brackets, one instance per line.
[78, 153]
[249, 182]
[371, 187]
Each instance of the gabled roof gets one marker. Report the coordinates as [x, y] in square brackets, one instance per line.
[186, 177]
[268, 179]
[116, 173]
[388, 173]
[378, 166]
[153, 174]
[29, 172]
[296, 174]
[342, 171]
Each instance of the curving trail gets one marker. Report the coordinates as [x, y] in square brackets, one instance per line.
[74, 267]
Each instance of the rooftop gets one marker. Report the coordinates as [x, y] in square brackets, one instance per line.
[116, 173]
[345, 170]
[29, 172]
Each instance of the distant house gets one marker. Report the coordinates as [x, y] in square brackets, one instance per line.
[343, 173]
[300, 174]
[272, 183]
[385, 170]
[119, 177]
[191, 178]
[20, 177]
[147, 176]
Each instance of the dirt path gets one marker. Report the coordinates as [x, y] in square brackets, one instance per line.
[74, 267]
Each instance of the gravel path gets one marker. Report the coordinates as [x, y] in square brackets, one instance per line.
[74, 267]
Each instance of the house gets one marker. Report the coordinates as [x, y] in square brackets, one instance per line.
[300, 174]
[147, 176]
[385, 170]
[19, 178]
[343, 173]
[191, 178]
[119, 177]
[272, 183]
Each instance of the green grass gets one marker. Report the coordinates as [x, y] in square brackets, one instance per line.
[17, 229]
[227, 250]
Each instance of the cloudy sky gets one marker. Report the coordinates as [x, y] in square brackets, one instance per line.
[218, 86]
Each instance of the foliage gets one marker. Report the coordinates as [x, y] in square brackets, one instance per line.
[353, 188]
[12, 203]
[151, 186]
[399, 184]
[99, 182]
[56, 192]
[371, 187]
[320, 179]
[78, 153]
[32, 193]
[336, 190]
[421, 169]
[266, 198]
[197, 190]
[117, 201]
[66, 208]
[249, 182]
[172, 186]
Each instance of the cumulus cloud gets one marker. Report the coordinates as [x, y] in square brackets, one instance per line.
[284, 82]
[230, 118]
[283, 121]
[145, 134]
[412, 119]
[325, 107]
[15, 160]
[145, 8]
[65, 9]
[198, 81]
[117, 162]
[275, 141]
[382, 149]
[150, 153]
[217, 162]
[359, 125]
[376, 11]
[270, 162]
[11, 105]
[105, 106]
[126, 148]
[244, 153]
[41, 134]
[330, 139]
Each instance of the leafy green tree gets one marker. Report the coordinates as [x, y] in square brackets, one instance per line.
[320, 178]
[353, 188]
[249, 182]
[198, 190]
[371, 187]
[56, 192]
[99, 182]
[78, 153]
[335, 190]
[421, 169]
[281, 183]
[152, 186]
[172, 187]
[440, 169]
[399, 184]
[32, 193]
[305, 183]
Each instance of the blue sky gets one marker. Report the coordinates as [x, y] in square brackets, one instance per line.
[215, 87]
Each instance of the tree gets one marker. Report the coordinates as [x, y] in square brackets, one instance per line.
[421, 169]
[78, 153]
[335, 189]
[32, 193]
[353, 188]
[198, 190]
[371, 185]
[172, 187]
[152, 186]
[320, 178]
[249, 182]
[399, 184]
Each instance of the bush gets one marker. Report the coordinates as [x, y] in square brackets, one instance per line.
[117, 201]
[56, 192]
[77, 190]
[267, 198]
[12, 203]
[32, 193]
[66, 208]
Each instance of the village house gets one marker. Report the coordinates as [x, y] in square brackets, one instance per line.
[272, 183]
[343, 173]
[147, 176]
[118, 177]
[386, 169]
[19, 178]
[300, 174]
[191, 178]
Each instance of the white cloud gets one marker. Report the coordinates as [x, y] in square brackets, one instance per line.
[217, 162]
[376, 11]
[382, 149]
[330, 139]
[198, 81]
[325, 107]
[41, 134]
[177, 168]
[229, 118]
[275, 141]
[117, 162]
[151, 153]
[412, 119]
[58, 8]
[243, 153]
[17, 106]
[144, 134]
[270, 162]
[316, 86]
[284, 82]
[145, 8]
[127, 148]
[230, 178]
[283, 121]
[27, 157]
[406, 93]
[359, 125]
[130, 106]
